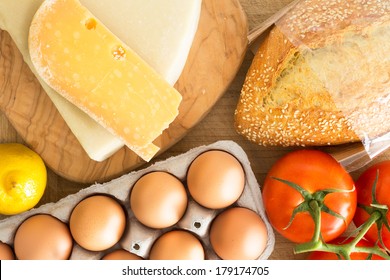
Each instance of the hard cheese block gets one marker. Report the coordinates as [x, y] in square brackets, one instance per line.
[82, 60]
[170, 26]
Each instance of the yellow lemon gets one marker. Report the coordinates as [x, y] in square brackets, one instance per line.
[23, 178]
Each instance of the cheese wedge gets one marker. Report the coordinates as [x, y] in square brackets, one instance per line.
[81, 59]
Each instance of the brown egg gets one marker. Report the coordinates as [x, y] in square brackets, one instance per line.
[215, 179]
[177, 245]
[97, 222]
[158, 199]
[238, 234]
[43, 237]
[121, 254]
[6, 252]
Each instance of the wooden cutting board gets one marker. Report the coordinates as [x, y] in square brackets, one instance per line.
[215, 57]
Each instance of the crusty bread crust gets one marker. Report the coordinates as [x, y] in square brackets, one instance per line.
[290, 98]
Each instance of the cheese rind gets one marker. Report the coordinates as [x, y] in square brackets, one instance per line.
[82, 60]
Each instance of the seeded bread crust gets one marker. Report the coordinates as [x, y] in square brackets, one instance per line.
[284, 101]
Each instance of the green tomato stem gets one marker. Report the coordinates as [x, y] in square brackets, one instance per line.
[316, 243]
[374, 251]
[316, 215]
[366, 226]
[345, 250]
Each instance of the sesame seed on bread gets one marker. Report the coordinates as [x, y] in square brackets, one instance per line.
[320, 77]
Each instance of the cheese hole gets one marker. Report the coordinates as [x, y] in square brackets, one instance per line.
[119, 53]
[90, 24]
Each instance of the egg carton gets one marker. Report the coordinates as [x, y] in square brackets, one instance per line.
[138, 238]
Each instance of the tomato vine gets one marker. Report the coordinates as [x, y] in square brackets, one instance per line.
[377, 212]
[306, 196]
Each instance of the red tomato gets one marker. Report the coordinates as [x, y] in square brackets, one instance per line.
[317, 255]
[313, 171]
[364, 186]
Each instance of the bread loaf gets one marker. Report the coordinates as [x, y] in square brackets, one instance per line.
[320, 77]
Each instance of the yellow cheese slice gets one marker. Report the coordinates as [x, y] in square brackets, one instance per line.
[81, 59]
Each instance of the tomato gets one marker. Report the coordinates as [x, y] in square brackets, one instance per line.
[318, 255]
[313, 171]
[364, 186]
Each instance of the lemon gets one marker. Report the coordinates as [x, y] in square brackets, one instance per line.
[23, 178]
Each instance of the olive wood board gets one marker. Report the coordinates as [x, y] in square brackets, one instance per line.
[216, 55]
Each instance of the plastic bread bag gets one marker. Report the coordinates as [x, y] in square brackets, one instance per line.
[348, 49]
[346, 45]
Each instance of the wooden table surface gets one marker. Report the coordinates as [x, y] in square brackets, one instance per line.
[217, 125]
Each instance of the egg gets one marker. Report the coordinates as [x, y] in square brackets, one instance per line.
[238, 234]
[97, 222]
[158, 199]
[177, 245]
[43, 237]
[121, 254]
[6, 252]
[215, 179]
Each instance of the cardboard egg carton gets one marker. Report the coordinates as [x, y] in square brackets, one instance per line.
[138, 238]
